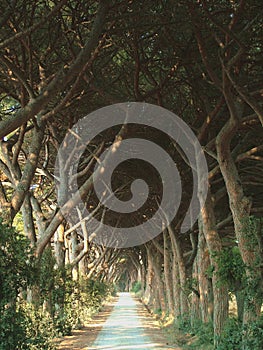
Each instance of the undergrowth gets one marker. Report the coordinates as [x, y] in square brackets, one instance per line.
[197, 335]
[39, 301]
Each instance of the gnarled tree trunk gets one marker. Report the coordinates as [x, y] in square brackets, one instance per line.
[220, 291]
[239, 203]
[178, 256]
[203, 263]
[168, 274]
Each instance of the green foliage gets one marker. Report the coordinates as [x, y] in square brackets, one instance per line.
[252, 227]
[231, 338]
[204, 333]
[194, 335]
[81, 299]
[136, 287]
[59, 304]
[16, 264]
[231, 268]
[183, 323]
[11, 327]
[234, 333]
[38, 328]
[158, 312]
[112, 289]
[70, 303]
[19, 328]
[14, 274]
[253, 331]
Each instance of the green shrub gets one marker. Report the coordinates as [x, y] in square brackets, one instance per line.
[234, 333]
[231, 338]
[193, 335]
[21, 328]
[39, 328]
[231, 268]
[136, 287]
[77, 302]
[254, 335]
[12, 329]
[203, 331]
[69, 304]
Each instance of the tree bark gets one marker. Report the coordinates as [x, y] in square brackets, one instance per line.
[59, 246]
[73, 247]
[203, 263]
[178, 254]
[157, 268]
[176, 287]
[27, 214]
[148, 294]
[168, 274]
[195, 299]
[239, 203]
[220, 291]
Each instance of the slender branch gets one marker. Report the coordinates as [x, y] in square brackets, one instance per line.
[18, 146]
[249, 153]
[33, 27]
[61, 79]
[74, 86]
[19, 74]
[203, 51]
[247, 97]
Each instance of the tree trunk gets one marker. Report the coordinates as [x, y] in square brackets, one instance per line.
[73, 247]
[240, 206]
[176, 287]
[59, 247]
[82, 267]
[195, 300]
[178, 254]
[148, 294]
[220, 291]
[159, 284]
[240, 299]
[27, 214]
[203, 263]
[168, 274]
[143, 276]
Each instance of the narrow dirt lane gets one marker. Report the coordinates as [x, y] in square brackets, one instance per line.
[124, 329]
[122, 325]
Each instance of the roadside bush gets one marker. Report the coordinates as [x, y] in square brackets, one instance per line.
[112, 289]
[39, 328]
[58, 303]
[234, 333]
[136, 287]
[76, 301]
[254, 335]
[231, 338]
[203, 332]
[20, 328]
[12, 329]
[191, 335]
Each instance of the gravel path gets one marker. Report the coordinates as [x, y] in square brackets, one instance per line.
[124, 329]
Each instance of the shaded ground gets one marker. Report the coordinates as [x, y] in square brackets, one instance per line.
[125, 324]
